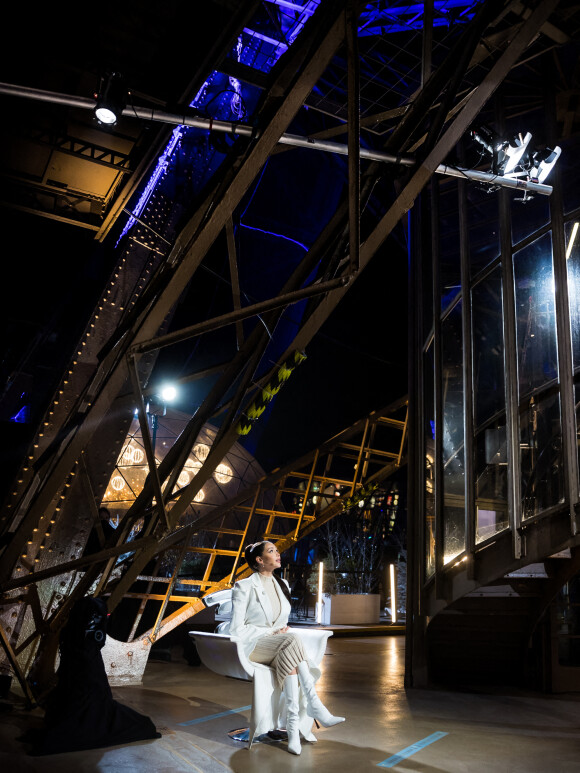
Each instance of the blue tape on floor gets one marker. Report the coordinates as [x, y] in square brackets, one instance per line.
[410, 750]
[214, 716]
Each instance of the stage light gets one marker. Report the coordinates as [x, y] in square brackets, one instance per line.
[514, 150]
[111, 99]
[514, 158]
[168, 393]
[544, 162]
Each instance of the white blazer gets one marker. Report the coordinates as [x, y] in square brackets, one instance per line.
[252, 615]
[252, 618]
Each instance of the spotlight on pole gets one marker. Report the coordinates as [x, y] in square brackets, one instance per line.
[514, 157]
[111, 100]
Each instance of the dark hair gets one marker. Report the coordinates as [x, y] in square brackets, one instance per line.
[255, 551]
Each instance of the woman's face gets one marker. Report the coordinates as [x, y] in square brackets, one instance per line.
[270, 558]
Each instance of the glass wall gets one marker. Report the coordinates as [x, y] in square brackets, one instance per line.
[429, 456]
[573, 272]
[535, 315]
[483, 240]
[540, 421]
[449, 264]
[501, 465]
[490, 447]
[453, 435]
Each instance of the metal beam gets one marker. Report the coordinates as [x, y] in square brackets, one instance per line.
[294, 140]
[235, 316]
[305, 64]
[406, 198]
[236, 297]
[353, 88]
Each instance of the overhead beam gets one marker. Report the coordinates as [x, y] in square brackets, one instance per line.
[297, 75]
[405, 200]
[293, 140]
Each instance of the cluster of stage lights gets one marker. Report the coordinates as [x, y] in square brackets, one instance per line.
[514, 157]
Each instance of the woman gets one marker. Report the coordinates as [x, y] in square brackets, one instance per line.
[261, 605]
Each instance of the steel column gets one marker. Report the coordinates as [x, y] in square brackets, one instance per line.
[563, 337]
[353, 108]
[466, 328]
[437, 397]
[511, 375]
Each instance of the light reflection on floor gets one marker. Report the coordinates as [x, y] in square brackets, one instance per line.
[362, 680]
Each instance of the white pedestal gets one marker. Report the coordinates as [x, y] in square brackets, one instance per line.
[350, 609]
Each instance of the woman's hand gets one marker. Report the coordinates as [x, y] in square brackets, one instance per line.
[282, 630]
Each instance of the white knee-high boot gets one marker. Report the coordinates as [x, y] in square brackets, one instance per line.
[291, 691]
[316, 708]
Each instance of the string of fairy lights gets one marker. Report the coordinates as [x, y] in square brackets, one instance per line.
[121, 293]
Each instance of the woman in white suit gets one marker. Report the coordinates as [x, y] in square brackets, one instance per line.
[261, 605]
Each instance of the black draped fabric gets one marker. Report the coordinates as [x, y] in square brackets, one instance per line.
[81, 712]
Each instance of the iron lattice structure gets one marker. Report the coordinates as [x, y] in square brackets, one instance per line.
[405, 90]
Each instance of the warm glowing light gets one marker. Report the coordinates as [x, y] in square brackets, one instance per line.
[393, 585]
[193, 465]
[118, 483]
[132, 455]
[201, 450]
[127, 455]
[223, 473]
[199, 497]
[320, 580]
[572, 239]
[183, 479]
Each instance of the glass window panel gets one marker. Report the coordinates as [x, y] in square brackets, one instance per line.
[568, 175]
[453, 436]
[535, 315]
[449, 261]
[529, 216]
[488, 361]
[541, 455]
[483, 228]
[429, 441]
[491, 485]
[577, 411]
[566, 623]
[573, 266]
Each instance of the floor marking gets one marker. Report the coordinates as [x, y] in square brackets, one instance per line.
[213, 716]
[410, 750]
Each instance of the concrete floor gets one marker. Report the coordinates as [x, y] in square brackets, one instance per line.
[362, 680]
